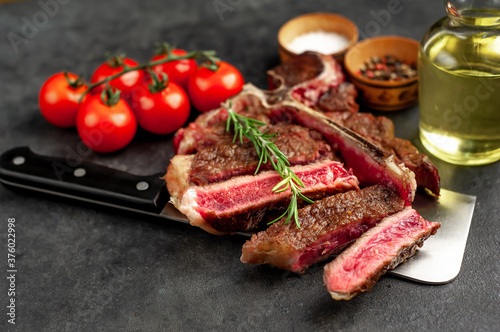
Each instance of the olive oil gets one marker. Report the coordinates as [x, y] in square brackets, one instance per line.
[459, 90]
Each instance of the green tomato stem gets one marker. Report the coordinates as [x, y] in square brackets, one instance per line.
[208, 55]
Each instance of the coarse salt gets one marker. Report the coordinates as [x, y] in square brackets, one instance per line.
[318, 41]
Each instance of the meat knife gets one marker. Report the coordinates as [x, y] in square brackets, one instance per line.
[437, 262]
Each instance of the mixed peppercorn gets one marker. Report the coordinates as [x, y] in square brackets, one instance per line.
[389, 68]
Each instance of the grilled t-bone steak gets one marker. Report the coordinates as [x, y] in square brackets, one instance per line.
[327, 226]
[369, 163]
[305, 75]
[223, 161]
[215, 190]
[240, 203]
[381, 248]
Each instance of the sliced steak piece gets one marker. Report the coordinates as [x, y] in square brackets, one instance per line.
[240, 204]
[383, 247]
[426, 173]
[308, 76]
[341, 99]
[380, 131]
[326, 227]
[296, 70]
[369, 163]
[223, 161]
[365, 124]
[210, 128]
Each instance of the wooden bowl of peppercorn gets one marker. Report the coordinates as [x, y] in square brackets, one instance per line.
[384, 70]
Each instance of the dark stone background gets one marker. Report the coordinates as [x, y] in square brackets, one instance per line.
[83, 268]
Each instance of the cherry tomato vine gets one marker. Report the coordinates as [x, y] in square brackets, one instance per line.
[116, 100]
[208, 56]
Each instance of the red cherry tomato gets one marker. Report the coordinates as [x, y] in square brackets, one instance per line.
[58, 99]
[105, 128]
[162, 112]
[125, 83]
[208, 89]
[178, 71]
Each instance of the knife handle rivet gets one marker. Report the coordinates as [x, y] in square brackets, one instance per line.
[19, 160]
[79, 172]
[141, 186]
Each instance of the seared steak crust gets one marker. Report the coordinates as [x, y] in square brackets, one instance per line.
[340, 99]
[297, 70]
[223, 161]
[365, 124]
[325, 227]
[210, 128]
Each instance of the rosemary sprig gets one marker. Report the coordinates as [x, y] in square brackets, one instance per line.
[268, 151]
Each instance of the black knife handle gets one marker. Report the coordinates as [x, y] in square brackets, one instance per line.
[20, 167]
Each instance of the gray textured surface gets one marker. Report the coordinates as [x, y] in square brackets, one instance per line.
[86, 269]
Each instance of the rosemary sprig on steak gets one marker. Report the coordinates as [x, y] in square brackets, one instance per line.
[268, 152]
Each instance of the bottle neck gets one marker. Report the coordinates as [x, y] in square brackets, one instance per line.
[478, 14]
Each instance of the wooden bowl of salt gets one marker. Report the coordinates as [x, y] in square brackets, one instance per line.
[325, 33]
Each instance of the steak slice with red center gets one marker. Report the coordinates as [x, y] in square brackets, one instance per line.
[223, 161]
[370, 164]
[383, 247]
[240, 203]
[325, 227]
